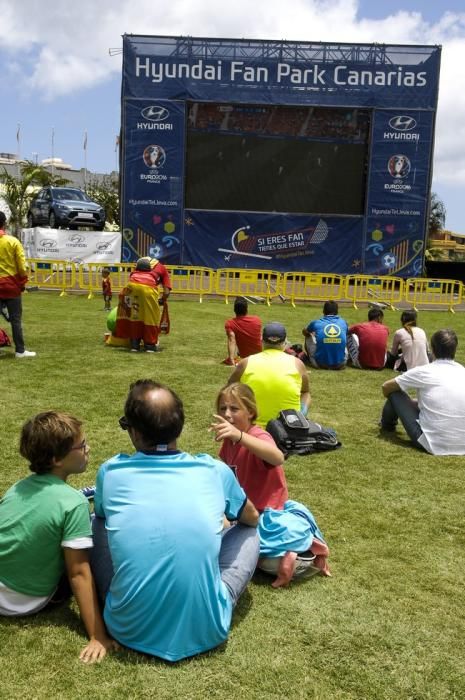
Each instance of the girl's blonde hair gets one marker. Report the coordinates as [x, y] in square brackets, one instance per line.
[244, 396]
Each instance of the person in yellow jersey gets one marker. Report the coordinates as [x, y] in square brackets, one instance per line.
[278, 380]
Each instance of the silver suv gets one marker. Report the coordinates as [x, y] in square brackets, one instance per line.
[67, 207]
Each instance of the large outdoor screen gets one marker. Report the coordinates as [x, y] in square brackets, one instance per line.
[268, 158]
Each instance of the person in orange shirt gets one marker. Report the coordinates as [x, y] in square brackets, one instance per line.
[13, 278]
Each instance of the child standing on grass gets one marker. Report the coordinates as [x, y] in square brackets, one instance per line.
[290, 542]
[45, 528]
[106, 288]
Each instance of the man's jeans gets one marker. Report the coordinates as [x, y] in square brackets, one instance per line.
[238, 558]
[15, 310]
[399, 405]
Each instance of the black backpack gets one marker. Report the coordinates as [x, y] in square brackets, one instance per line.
[294, 434]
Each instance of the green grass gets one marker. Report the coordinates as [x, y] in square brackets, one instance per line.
[389, 624]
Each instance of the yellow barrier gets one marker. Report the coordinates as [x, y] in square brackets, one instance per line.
[52, 274]
[430, 291]
[192, 280]
[232, 282]
[90, 276]
[387, 290]
[311, 286]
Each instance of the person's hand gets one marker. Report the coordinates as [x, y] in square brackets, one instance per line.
[161, 302]
[96, 650]
[223, 429]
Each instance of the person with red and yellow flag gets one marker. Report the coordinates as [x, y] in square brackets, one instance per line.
[13, 278]
[139, 316]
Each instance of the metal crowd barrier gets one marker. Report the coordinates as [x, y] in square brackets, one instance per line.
[363, 288]
[311, 286]
[52, 274]
[233, 282]
[437, 292]
[90, 276]
[192, 280]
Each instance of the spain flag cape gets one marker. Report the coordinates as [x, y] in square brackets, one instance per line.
[138, 314]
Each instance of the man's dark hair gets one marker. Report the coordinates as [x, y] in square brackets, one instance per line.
[444, 344]
[155, 411]
[330, 308]
[2, 219]
[240, 306]
[375, 314]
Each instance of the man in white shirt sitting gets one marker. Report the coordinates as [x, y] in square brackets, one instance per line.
[435, 421]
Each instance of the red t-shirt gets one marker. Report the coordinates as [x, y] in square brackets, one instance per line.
[248, 332]
[372, 343]
[264, 484]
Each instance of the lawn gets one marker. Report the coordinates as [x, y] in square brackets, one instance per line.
[390, 622]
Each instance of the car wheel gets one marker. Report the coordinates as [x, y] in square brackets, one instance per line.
[52, 220]
[30, 221]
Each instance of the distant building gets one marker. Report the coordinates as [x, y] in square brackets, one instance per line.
[79, 178]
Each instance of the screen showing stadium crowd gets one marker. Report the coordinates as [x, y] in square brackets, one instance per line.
[314, 123]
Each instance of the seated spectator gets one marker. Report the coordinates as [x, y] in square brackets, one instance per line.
[244, 333]
[278, 380]
[290, 542]
[325, 339]
[435, 421]
[366, 342]
[170, 577]
[45, 528]
[409, 345]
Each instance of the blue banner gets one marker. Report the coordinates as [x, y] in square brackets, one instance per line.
[273, 242]
[398, 192]
[280, 72]
[153, 174]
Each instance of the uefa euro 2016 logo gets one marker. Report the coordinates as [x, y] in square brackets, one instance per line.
[154, 156]
[399, 166]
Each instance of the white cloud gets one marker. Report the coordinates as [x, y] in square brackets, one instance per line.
[62, 47]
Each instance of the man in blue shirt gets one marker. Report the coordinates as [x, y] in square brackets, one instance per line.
[169, 573]
[326, 338]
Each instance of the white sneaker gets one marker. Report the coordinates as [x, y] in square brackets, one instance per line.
[26, 353]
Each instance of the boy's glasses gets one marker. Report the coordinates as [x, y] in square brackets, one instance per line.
[124, 423]
[82, 446]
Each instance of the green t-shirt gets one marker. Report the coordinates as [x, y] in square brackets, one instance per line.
[36, 515]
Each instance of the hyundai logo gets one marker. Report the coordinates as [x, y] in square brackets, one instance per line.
[402, 123]
[76, 238]
[103, 245]
[47, 243]
[155, 113]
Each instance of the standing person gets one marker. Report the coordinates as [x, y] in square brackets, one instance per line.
[13, 278]
[45, 528]
[138, 315]
[435, 421]
[278, 380]
[409, 344]
[169, 574]
[106, 288]
[244, 333]
[366, 342]
[326, 338]
[290, 541]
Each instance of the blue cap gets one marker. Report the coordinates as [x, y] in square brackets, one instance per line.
[274, 333]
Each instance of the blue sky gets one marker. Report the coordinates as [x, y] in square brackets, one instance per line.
[57, 72]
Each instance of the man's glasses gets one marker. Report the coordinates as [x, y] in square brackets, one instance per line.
[82, 446]
[124, 423]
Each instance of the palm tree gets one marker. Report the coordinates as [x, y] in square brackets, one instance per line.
[437, 215]
[17, 192]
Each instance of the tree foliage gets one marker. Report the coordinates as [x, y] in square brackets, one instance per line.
[437, 214]
[105, 192]
[17, 192]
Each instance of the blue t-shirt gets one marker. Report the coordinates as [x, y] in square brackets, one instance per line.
[331, 337]
[164, 517]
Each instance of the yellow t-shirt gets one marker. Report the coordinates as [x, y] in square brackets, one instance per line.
[275, 381]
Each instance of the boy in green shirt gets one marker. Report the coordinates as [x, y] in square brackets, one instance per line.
[45, 528]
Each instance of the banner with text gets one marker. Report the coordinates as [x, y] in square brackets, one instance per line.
[74, 246]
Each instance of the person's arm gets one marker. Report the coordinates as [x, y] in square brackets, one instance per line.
[166, 293]
[21, 264]
[305, 398]
[238, 371]
[232, 347]
[395, 344]
[83, 587]
[390, 386]
[306, 332]
[249, 515]
[263, 449]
